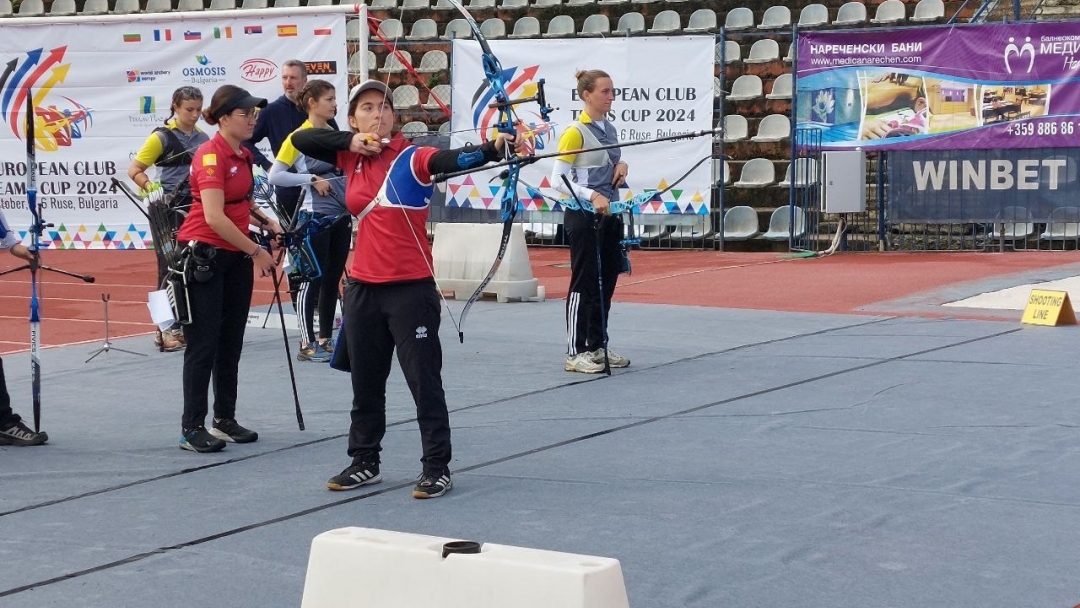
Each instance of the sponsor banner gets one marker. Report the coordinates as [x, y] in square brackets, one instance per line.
[96, 98]
[654, 97]
[1007, 85]
[981, 185]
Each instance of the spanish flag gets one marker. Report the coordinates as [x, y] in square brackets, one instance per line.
[286, 30]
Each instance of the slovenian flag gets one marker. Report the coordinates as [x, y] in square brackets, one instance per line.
[160, 35]
[132, 37]
[252, 29]
[325, 31]
[192, 35]
[286, 30]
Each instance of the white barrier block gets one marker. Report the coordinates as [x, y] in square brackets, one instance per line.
[368, 568]
[463, 254]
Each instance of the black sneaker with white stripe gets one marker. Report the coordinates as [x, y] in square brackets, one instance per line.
[228, 429]
[200, 440]
[359, 474]
[432, 486]
[17, 433]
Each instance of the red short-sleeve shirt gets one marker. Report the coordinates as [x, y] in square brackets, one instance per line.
[217, 166]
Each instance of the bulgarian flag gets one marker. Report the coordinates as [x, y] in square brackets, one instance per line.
[132, 37]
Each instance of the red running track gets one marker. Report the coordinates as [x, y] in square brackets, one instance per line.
[72, 311]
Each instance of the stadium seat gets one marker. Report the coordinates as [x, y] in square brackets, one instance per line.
[580, 2]
[780, 226]
[772, 128]
[666, 22]
[775, 17]
[252, 4]
[444, 128]
[745, 88]
[701, 20]
[5, 8]
[851, 13]
[612, 1]
[1063, 223]
[352, 29]
[394, 64]
[890, 12]
[928, 10]
[513, 4]
[813, 15]
[632, 23]
[732, 52]
[319, 3]
[62, 7]
[457, 28]
[414, 128]
[415, 5]
[286, 3]
[806, 173]
[1015, 224]
[739, 18]
[781, 88]
[790, 56]
[101, 7]
[383, 5]
[443, 5]
[189, 5]
[717, 89]
[595, 25]
[740, 223]
[442, 91]
[433, 61]
[222, 5]
[526, 27]
[31, 8]
[546, 3]
[756, 173]
[405, 96]
[763, 51]
[391, 29]
[493, 28]
[560, 26]
[423, 29]
[356, 61]
[481, 4]
[126, 7]
[735, 128]
[718, 178]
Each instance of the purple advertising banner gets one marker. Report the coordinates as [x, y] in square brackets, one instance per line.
[997, 86]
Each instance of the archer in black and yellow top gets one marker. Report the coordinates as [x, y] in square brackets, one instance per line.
[170, 149]
[595, 252]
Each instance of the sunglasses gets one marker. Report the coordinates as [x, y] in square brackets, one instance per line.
[251, 114]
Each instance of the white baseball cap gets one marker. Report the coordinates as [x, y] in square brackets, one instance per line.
[368, 85]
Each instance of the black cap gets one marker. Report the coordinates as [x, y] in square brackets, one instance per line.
[240, 100]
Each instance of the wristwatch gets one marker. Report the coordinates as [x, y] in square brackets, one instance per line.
[314, 178]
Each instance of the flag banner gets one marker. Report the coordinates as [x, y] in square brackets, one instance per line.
[96, 98]
[993, 86]
[654, 97]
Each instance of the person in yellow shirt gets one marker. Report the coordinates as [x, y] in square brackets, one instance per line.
[324, 199]
[170, 149]
[594, 177]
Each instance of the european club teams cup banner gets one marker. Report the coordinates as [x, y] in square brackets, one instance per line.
[98, 89]
[663, 87]
[1009, 85]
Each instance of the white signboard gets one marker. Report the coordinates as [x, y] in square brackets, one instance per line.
[663, 87]
[100, 88]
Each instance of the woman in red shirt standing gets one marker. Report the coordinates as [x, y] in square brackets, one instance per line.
[222, 255]
[391, 302]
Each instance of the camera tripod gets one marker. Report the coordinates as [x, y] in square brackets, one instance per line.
[107, 346]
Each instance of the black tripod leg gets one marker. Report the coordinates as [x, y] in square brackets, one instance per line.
[288, 353]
